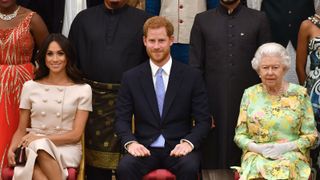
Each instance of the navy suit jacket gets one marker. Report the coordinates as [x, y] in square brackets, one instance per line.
[185, 100]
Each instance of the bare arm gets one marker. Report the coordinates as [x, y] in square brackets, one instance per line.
[38, 29]
[75, 134]
[24, 123]
[70, 137]
[301, 57]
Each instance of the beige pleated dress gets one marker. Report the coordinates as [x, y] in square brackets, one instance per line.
[53, 109]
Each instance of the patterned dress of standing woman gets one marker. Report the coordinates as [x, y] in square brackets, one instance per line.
[313, 79]
[16, 47]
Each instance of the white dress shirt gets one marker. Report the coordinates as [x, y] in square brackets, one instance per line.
[165, 74]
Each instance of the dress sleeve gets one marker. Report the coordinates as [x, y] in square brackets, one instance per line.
[25, 102]
[85, 101]
[242, 137]
[308, 131]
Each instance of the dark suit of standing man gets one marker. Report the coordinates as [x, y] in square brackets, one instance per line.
[285, 17]
[52, 11]
[222, 44]
[165, 134]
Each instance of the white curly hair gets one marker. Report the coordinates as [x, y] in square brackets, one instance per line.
[271, 50]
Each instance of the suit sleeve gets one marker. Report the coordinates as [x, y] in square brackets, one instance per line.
[124, 112]
[197, 46]
[264, 31]
[76, 39]
[200, 112]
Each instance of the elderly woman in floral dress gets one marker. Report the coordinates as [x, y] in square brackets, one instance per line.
[276, 126]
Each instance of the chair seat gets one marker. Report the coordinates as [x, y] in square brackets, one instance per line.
[159, 174]
[236, 175]
[7, 173]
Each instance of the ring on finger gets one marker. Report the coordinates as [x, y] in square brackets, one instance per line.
[184, 152]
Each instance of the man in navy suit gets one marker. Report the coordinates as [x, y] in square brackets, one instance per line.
[170, 107]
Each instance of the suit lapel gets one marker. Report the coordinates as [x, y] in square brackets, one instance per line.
[148, 88]
[173, 87]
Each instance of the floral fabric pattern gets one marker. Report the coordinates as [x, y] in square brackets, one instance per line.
[265, 118]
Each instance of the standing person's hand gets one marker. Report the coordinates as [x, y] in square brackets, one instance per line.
[213, 122]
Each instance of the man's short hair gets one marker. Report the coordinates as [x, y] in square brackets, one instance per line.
[158, 22]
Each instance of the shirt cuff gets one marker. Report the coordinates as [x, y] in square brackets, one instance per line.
[187, 141]
[127, 143]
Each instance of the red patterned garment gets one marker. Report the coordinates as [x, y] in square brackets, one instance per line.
[16, 47]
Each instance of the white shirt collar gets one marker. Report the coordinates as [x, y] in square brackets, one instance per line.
[166, 67]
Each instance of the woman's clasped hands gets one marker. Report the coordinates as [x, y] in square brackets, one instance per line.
[272, 151]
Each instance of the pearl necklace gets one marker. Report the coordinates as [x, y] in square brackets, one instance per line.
[8, 17]
[280, 92]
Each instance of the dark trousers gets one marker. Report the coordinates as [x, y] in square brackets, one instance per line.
[134, 168]
[94, 173]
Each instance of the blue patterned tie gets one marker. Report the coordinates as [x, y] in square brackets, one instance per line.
[160, 92]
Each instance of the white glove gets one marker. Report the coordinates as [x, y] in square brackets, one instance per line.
[258, 148]
[276, 150]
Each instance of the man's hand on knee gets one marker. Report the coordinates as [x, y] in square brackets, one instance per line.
[138, 150]
[181, 149]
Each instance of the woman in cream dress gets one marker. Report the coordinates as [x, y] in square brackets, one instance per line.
[54, 108]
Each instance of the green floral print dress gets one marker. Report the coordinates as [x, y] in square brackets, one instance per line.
[266, 118]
